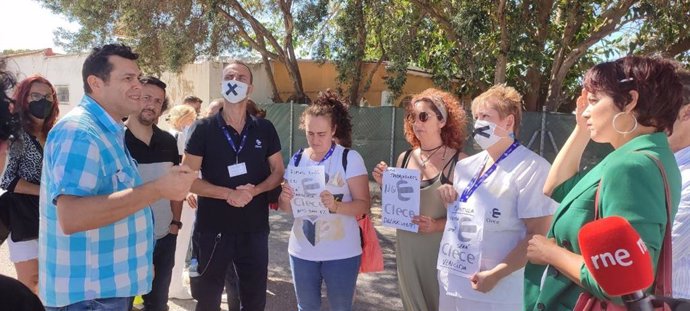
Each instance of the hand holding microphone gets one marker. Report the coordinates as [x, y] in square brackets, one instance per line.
[618, 259]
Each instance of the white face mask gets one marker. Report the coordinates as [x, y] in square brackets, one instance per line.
[234, 91]
[484, 133]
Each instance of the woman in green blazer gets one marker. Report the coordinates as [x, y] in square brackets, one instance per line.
[628, 103]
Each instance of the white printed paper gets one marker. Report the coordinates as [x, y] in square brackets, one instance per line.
[400, 198]
[307, 184]
[461, 252]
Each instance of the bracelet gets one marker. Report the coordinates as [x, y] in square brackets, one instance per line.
[229, 193]
[335, 209]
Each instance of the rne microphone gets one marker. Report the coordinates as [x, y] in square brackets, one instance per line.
[618, 259]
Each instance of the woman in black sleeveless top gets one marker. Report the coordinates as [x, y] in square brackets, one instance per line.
[435, 126]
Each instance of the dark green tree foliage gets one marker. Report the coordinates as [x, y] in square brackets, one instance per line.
[171, 33]
[666, 31]
[542, 47]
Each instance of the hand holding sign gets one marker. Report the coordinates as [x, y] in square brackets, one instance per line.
[427, 224]
[447, 193]
[400, 198]
[286, 192]
[328, 200]
[378, 172]
[308, 182]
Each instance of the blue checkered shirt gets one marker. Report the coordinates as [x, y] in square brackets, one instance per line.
[85, 155]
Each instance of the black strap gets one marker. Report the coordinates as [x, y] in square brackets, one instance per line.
[406, 158]
[445, 179]
[345, 159]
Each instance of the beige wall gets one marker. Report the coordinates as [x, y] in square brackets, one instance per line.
[318, 77]
[204, 79]
[60, 70]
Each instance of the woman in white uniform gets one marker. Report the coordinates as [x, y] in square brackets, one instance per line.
[495, 205]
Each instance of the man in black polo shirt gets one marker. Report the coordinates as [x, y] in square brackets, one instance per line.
[155, 151]
[239, 157]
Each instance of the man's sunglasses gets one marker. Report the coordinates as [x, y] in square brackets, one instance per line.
[422, 116]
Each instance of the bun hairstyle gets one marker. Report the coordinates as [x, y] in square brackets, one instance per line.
[330, 105]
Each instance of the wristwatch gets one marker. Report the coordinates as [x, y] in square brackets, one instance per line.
[176, 223]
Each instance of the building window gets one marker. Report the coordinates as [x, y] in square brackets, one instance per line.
[63, 94]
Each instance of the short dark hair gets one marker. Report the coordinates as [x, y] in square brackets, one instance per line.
[239, 62]
[97, 63]
[192, 99]
[157, 82]
[684, 78]
[655, 81]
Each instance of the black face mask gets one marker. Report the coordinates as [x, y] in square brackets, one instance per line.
[40, 109]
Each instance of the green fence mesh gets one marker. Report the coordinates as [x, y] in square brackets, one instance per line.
[378, 133]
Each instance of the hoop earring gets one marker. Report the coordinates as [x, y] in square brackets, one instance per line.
[613, 122]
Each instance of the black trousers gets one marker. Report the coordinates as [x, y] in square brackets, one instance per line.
[214, 253]
[163, 262]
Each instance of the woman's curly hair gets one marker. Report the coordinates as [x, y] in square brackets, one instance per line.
[454, 133]
[329, 104]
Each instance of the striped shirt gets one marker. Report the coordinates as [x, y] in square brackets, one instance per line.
[85, 155]
[681, 231]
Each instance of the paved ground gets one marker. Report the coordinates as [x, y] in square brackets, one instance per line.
[375, 291]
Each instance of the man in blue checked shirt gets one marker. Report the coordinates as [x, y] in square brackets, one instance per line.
[96, 231]
[680, 234]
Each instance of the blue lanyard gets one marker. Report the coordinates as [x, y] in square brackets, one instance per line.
[224, 128]
[477, 180]
[328, 154]
[296, 158]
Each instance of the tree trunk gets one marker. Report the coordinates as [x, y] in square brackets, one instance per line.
[531, 98]
[356, 83]
[680, 46]
[611, 22]
[534, 77]
[502, 58]
[293, 70]
[290, 59]
[269, 73]
[573, 22]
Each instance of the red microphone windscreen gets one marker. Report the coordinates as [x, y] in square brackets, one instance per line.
[616, 256]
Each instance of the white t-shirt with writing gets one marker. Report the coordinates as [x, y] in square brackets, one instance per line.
[333, 236]
[511, 193]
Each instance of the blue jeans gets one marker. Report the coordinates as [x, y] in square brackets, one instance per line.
[103, 304]
[163, 262]
[339, 275]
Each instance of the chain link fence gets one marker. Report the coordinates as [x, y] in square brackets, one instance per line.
[378, 133]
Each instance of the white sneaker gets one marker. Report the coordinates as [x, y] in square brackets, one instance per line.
[183, 294]
[224, 298]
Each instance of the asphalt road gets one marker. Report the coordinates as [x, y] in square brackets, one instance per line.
[375, 291]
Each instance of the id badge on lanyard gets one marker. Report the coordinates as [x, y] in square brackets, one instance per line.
[237, 169]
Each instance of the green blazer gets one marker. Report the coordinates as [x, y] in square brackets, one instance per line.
[631, 187]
